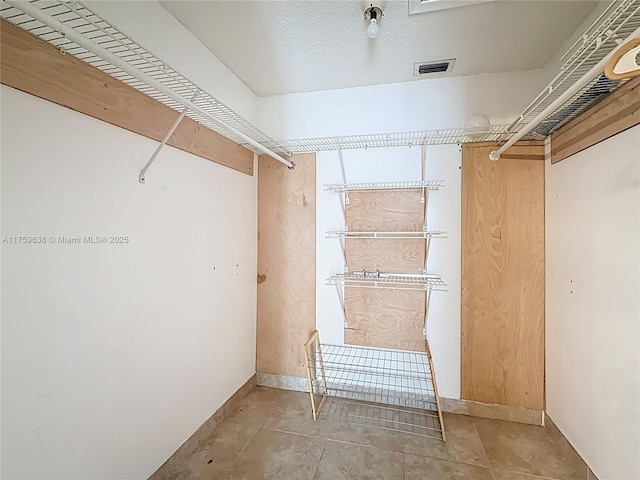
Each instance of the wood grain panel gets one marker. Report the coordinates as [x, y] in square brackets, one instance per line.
[502, 279]
[385, 211]
[286, 264]
[386, 255]
[385, 318]
[37, 67]
[616, 113]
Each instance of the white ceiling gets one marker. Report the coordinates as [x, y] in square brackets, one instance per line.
[279, 47]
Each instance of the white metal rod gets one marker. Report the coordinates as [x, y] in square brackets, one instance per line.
[143, 172]
[572, 90]
[84, 42]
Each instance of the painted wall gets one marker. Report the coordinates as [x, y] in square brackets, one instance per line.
[427, 104]
[114, 354]
[398, 107]
[592, 303]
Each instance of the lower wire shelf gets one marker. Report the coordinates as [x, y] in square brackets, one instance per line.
[388, 389]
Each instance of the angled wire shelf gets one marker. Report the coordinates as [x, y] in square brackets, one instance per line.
[350, 187]
[392, 281]
[77, 16]
[388, 235]
[388, 389]
[617, 22]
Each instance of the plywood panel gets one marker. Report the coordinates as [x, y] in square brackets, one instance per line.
[36, 67]
[385, 318]
[386, 255]
[502, 279]
[286, 264]
[385, 211]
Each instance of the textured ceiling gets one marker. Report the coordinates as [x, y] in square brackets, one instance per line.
[278, 47]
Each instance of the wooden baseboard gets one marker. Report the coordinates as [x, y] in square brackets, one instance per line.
[205, 429]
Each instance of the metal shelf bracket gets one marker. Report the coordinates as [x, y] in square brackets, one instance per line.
[143, 172]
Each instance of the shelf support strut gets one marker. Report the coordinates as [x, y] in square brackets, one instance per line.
[143, 172]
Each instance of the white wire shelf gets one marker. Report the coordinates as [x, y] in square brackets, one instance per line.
[351, 187]
[392, 281]
[398, 419]
[388, 235]
[618, 21]
[446, 136]
[77, 16]
[389, 389]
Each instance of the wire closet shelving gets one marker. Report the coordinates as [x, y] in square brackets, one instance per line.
[165, 84]
[394, 281]
[550, 110]
[388, 389]
[387, 235]
[620, 20]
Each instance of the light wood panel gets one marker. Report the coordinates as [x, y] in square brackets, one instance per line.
[286, 264]
[386, 255]
[502, 279]
[385, 211]
[616, 113]
[385, 318]
[37, 67]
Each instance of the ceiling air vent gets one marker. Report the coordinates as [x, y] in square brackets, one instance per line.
[439, 66]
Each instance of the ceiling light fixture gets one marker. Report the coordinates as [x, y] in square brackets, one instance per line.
[373, 11]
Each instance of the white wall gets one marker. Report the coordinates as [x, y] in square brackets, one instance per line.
[399, 107]
[593, 305]
[427, 104]
[113, 355]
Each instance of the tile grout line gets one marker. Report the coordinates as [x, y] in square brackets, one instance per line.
[244, 448]
[324, 449]
[475, 429]
[533, 476]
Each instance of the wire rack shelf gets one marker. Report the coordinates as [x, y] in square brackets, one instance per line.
[389, 389]
[418, 422]
[387, 235]
[351, 187]
[445, 136]
[393, 281]
[619, 20]
[77, 16]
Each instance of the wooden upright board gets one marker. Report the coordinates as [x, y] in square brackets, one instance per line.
[376, 317]
[503, 278]
[286, 264]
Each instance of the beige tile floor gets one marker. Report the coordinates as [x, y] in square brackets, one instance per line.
[271, 435]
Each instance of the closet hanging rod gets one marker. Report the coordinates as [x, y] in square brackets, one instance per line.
[572, 90]
[81, 40]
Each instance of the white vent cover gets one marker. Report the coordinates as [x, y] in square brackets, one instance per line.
[437, 66]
